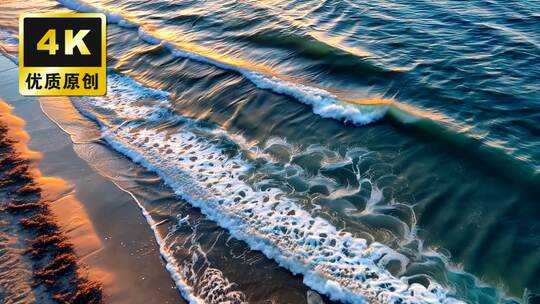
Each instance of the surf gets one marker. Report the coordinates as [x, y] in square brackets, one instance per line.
[332, 262]
[357, 112]
[323, 103]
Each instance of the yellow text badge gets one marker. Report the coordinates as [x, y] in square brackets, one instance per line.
[62, 54]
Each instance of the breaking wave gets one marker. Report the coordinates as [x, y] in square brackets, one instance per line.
[322, 102]
[207, 173]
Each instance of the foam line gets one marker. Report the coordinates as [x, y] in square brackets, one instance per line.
[176, 270]
[84, 7]
[322, 102]
[171, 264]
[332, 262]
[127, 91]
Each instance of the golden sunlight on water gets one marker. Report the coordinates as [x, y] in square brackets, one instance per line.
[300, 18]
[421, 101]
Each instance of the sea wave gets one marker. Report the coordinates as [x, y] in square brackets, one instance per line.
[326, 104]
[322, 102]
[197, 284]
[197, 281]
[127, 91]
[201, 171]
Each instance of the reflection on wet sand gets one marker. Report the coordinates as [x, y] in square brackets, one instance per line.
[40, 226]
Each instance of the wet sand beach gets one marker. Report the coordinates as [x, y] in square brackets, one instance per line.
[110, 236]
[38, 262]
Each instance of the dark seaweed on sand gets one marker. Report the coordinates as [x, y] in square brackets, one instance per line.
[55, 264]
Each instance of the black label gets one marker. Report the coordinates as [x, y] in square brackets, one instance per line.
[36, 28]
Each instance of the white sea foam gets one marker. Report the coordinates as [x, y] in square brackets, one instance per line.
[9, 45]
[126, 92]
[211, 284]
[322, 102]
[172, 265]
[112, 17]
[332, 262]
[197, 284]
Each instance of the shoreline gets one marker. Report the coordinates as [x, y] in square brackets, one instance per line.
[26, 203]
[110, 234]
[235, 130]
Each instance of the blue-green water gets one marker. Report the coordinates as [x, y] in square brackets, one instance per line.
[411, 128]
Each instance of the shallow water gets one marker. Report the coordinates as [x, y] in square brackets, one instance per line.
[405, 131]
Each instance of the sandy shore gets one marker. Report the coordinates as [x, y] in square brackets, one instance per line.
[38, 262]
[110, 234]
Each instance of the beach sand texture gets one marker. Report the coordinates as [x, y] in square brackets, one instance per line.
[109, 235]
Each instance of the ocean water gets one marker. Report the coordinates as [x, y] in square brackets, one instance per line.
[381, 152]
